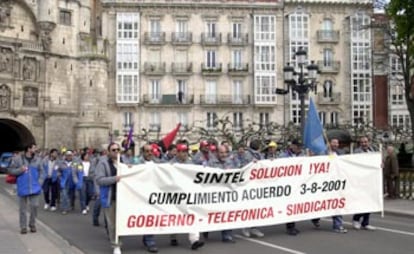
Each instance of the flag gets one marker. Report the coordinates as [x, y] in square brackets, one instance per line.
[166, 141]
[313, 138]
[129, 140]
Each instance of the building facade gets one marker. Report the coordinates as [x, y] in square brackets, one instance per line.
[78, 73]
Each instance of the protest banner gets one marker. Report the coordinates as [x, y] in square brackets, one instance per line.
[181, 198]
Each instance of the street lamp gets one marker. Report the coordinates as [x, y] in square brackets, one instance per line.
[300, 82]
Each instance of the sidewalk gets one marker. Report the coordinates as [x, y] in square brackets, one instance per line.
[44, 241]
[401, 207]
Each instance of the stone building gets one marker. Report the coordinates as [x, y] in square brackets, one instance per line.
[76, 73]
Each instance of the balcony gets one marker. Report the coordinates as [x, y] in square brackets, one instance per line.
[168, 99]
[154, 69]
[214, 99]
[181, 39]
[335, 99]
[237, 39]
[152, 38]
[211, 39]
[238, 69]
[182, 69]
[329, 66]
[328, 36]
[209, 70]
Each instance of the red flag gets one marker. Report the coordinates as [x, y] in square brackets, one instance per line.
[166, 141]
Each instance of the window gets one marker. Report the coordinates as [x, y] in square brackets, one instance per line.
[397, 95]
[211, 30]
[127, 56]
[155, 88]
[65, 17]
[155, 30]
[211, 120]
[238, 120]
[265, 58]
[236, 59]
[237, 95]
[128, 120]
[183, 119]
[327, 89]
[327, 57]
[265, 28]
[334, 118]
[264, 89]
[182, 91]
[299, 26]
[236, 31]
[127, 88]
[264, 119]
[322, 117]
[182, 30]
[211, 59]
[211, 91]
[155, 121]
[127, 25]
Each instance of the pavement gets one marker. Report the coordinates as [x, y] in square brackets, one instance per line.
[47, 241]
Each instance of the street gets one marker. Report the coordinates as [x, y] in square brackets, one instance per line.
[394, 234]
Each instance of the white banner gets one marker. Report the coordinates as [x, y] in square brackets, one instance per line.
[180, 198]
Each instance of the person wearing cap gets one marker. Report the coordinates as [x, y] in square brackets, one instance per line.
[270, 151]
[203, 156]
[182, 158]
[294, 150]
[71, 179]
[223, 161]
[29, 171]
[147, 156]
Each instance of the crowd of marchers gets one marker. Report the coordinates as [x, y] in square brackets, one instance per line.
[66, 177]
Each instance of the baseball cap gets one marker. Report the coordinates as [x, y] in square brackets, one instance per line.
[182, 148]
[68, 152]
[203, 143]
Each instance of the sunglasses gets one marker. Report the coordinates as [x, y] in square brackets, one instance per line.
[115, 150]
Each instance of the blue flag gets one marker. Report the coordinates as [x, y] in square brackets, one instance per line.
[313, 138]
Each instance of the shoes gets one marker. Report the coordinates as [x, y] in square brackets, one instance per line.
[64, 212]
[87, 208]
[256, 233]
[23, 231]
[369, 227]
[84, 212]
[245, 232]
[45, 207]
[152, 249]
[205, 235]
[196, 245]
[53, 208]
[117, 250]
[96, 223]
[340, 230]
[174, 242]
[228, 239]
[356, 225]
[316, 224]
[292, 231]
[33, 229]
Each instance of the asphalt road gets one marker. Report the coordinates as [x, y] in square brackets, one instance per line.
[394, 235]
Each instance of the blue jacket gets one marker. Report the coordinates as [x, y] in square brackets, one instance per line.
[71, 176]
[28, 182]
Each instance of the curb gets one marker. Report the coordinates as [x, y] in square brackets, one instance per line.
[62, 244]
[399, 213]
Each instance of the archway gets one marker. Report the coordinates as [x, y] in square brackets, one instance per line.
[14, 136]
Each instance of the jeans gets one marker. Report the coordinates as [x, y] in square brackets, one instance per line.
[65, 199]
[337, 222]
[226, 234]
[50, 191]
[86, 193]
[33, 201]
[96, 211]
[365, 218]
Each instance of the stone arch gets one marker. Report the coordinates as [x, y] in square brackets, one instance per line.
[14, 136]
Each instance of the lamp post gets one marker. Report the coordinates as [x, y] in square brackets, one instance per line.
[300, 82]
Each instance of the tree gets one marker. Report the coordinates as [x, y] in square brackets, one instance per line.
[400, 33]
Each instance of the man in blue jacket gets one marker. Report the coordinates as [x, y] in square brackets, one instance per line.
[29, 172]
